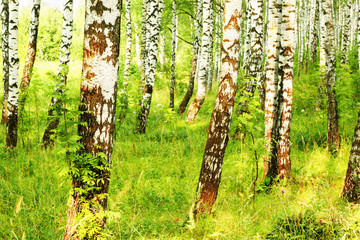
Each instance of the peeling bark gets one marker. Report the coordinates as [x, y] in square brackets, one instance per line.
[97, 106]
[218, 135]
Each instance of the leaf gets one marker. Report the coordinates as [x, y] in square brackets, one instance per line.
[18, 204]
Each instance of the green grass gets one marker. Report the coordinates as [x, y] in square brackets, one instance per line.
[154, 176]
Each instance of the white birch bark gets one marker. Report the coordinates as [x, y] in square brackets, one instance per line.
[128, 43]
[97, 106]
[218, 34]
[210, 49]
[64, 60]
[173, 53]
[322, 39]
[162, 50]
[218, 138]
[31, 52]
[12, 121]
[4, 11]
[152, 45]
[271, 73]
[137, 45]
[314, 26]
[332, 117]
[203, 59]
[346, 33]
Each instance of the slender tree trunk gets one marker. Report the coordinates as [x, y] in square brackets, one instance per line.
[279, 162]
[138, 47]
[144, 35]
[271, 73]
[358, 32]
[332, 116]
[322, 39]
[253, 69]
[12, 121]
[5, 56]
[210, 61]
[314, 38]
[218, 34]
[124, 95]
[194, 61]
[352, 183]
[98, 105]
[162, 50]
[200, 95]
[31, 52]
[173, 55]
[154, 23]
[247, 37]
[346, 33]
[56, 102]
[218, 135]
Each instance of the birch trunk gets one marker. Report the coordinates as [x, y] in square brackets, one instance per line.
[358, 32]
[322, 39]
[173, 54]
[314, 38]
[5, 56]
[56, 102]
[271, 73]
[31, 52]
[332, 116]
[279, 163]
[98, 105]
[124, 90]
[346, 33]
[138, 47]
[218, 136]
[12, 121]
[162, 50]
[153, 25]
[218, 34]
[210, 49]
[352, 184]
[144, 35]
[253, 68]
[205, 44]
[194, 61]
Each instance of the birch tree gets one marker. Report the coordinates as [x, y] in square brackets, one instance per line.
[5, 56]
[12, 121]
[173, 54]
[279, 162]
[203, 60]
[152, 44]
[65, 47]
[346, 33]
[352, 184]
[254, 53]
[194, 61]
[272, 54]
[314, 30]
[210, 60]
[124, 94]
[31, 52]
[218, 34]
[218, 135]
[332, 116]
[98, 105]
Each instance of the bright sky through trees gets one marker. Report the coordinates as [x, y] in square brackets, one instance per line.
[50, 3]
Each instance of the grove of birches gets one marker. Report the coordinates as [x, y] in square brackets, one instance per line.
[180, 119]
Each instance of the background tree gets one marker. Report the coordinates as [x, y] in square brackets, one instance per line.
[194, 61]
[332, 115]
[98, 106]
[65, 48]
[173, 54]
[218, 135]
[152, 44]
[5, 56]
[12, 121]
[31, 53]
[203, 61]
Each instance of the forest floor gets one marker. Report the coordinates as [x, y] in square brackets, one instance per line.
[154, 177]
